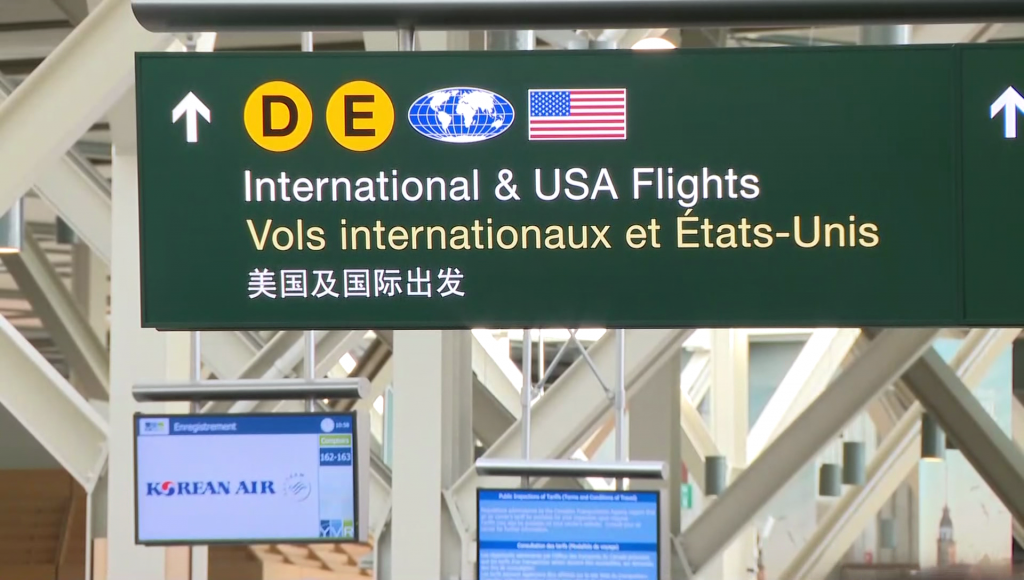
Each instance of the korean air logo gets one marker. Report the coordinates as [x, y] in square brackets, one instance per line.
[163, 488]
[154, 426]
[297, 487]
[181, 488]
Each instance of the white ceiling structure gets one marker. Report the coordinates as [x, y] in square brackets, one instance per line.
[31, 29]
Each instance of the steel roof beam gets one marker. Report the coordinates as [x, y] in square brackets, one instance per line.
[76, 191]
[49, 408]
[52, 302]
[573, 406]
[65, 95]
[851, 391]
[893, 462]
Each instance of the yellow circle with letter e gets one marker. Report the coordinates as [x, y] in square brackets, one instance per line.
[278, 116]
[360, 116]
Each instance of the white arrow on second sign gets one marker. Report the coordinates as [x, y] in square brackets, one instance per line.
[191, 108]
[1008, 103]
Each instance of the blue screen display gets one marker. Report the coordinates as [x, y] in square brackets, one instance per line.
[235, 478]
[569, 535]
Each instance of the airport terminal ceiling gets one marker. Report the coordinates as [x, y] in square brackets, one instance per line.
[31, 29]
[78, 266]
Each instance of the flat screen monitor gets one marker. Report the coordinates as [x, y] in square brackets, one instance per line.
[569, 535]
[254, 478]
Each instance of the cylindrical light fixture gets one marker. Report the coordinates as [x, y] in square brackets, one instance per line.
[887, 533]
[830, 480]
[655, 43]
[12, 225]
[716, 471]
[854, 461]
[65, 235]
[933, 440]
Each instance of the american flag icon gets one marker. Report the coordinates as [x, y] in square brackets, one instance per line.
[577, 114]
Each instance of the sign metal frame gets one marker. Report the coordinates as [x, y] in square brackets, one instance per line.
[332, 15]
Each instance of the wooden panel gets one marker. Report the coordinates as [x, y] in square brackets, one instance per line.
[33, 555]
[356, 551]
[71, 565]
[28, 572]
[30, 540]
[36, 483]
[232, 554]
[234, 563]
[290, 572]
[25, 503]
[49, 514]
[37, 506]
[334, 559]
[27, 519]
[267, 554]
[292, 550]
[300, 555]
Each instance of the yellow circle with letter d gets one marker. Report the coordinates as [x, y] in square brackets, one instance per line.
[360, 116]
[278, 116]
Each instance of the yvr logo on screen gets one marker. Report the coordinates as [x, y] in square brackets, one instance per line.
[296, 486]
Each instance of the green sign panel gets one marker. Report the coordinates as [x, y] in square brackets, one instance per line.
[765, 187]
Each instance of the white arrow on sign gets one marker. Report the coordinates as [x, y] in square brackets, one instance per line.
[1008, 103]
[191, 108]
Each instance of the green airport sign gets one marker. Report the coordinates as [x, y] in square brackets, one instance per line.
[741, 187]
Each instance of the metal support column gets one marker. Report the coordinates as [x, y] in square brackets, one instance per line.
[309, 358]
[887, 34]
[619, 403]
[655, 433]
[195, 366]
[887, 358]
[730, 396]
[199, 556]
[309, 367]
[433, 444]
[406, 39]
[526, 395]
[137, 354]
[510, 40]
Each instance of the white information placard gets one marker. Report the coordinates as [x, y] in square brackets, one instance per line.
[526, 534]
[289, 478]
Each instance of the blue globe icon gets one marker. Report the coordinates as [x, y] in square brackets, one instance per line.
[461, 115]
